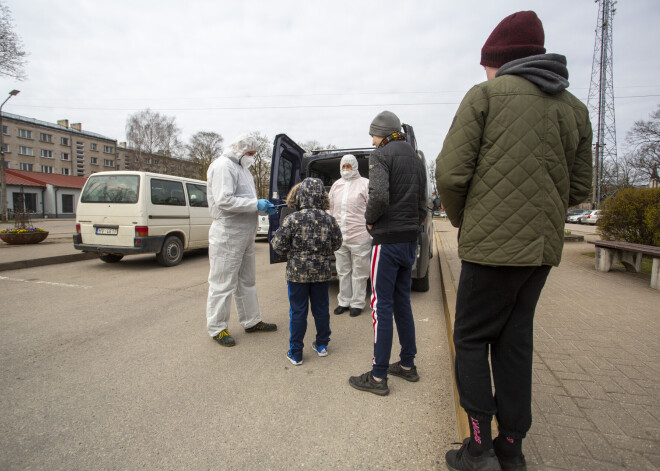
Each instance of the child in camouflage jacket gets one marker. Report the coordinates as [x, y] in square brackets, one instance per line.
[309, 238]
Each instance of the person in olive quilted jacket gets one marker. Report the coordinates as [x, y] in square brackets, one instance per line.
[518, 153]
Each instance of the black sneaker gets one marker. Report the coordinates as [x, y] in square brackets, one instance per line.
[512, 463]
[340, 309]
[261, 327]
[225, 339]
[355, 311]
[461, 460]
[397, 370]
[366, 382]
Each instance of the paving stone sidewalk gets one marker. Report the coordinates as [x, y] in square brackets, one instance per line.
[596, 392]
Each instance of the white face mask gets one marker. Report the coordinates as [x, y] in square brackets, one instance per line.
[346, 173]
[246, 161]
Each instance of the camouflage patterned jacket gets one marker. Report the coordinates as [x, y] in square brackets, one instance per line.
[308, 237]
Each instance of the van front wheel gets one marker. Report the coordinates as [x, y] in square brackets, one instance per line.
[421, 284]
[110, 257]
[171, 253]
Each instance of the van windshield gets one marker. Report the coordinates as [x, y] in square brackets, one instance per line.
[111, 189]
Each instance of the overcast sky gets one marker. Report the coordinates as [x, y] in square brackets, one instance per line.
[311, 69]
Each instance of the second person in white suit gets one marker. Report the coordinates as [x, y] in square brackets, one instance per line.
[348, 202]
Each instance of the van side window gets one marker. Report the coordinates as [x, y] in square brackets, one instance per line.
[166, 192]
[197, 195]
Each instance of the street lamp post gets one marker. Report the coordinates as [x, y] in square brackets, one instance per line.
[3, 181]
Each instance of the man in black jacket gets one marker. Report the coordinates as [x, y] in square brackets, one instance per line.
[395, 211]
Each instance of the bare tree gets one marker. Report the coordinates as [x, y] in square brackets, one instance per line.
[12, 55]
[644, 137]
[312, 145]
[431, 175]
[149, 133]
[260, 169]
[204, 148]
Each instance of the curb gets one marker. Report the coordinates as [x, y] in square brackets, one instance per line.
[40, 262]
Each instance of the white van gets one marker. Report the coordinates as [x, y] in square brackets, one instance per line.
[127, 212]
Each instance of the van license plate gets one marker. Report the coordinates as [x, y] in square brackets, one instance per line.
[106, 231]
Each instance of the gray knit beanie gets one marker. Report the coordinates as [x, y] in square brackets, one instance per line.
[384, 124]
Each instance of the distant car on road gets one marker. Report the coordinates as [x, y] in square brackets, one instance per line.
[439, 214]
[574, 215]
[262, 224]
[591, 218]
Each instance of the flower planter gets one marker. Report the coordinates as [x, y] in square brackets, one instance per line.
[21, 238]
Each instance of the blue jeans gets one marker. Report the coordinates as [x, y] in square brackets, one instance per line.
[299, 295]
[391, 274]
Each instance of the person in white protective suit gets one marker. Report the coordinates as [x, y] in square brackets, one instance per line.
[348, 202]
[233, 203]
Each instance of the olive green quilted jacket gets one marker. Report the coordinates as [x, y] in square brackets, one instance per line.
[513, 161]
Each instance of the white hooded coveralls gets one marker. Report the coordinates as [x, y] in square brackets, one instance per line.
[232, 201]
[348, 203]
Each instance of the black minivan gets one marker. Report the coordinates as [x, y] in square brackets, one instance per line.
[291, 163]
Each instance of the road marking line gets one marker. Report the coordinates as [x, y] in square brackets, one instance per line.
[39, 282]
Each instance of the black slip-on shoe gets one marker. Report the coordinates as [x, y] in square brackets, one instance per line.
[461, 460]
[355, 311]
[397, 370]
[366, 382]
[261, 327]
[340, 309]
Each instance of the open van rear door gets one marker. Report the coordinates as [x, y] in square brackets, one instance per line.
[285, 167]
[410, 135]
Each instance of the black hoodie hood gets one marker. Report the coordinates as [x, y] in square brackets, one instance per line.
[546, 71]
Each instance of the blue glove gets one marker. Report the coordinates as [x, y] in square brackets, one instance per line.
[270, 210]
[263, 204]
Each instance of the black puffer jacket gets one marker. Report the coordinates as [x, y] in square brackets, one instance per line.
[397, 193]
[308, 237]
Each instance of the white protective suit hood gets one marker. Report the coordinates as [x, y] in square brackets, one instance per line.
[240, 145]
[349, 174]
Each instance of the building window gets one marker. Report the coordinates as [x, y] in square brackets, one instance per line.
[27, 167]
[66, 171]
[25, 201]
[108, 163]
[108, 149]
[64, 141]
[66, 156]
[67, 203]
[155, 161]
[5, 147]
[93, 161]
[5, 130]
[45, 137]
[25, 150]
[47, 154]
[147, 160]
[24, 133]
[46, 169]
[92, 146]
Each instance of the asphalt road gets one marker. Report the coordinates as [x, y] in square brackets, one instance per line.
[109, 366]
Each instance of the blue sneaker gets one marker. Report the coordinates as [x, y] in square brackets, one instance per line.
[293, 360]
[321, 350]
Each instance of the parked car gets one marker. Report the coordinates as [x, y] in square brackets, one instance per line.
[128, 212]
[591, 218]
[574, 215]
[290, 164]
[262, 224]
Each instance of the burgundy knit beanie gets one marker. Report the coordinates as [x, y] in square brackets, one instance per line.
[517, 36]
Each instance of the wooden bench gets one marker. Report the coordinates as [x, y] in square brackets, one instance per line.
[630, 255]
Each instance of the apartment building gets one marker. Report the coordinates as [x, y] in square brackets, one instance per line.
[38, 146]
[131, 159]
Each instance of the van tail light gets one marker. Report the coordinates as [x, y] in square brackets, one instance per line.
[141, 231]
[77, 228]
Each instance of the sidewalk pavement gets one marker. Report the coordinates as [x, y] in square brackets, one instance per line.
[596, 386]
[57, 248]
[596, 392]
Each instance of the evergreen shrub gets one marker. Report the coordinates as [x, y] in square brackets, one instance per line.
[632, 215]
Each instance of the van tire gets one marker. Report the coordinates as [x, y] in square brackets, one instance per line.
[421, 284]
[171, 253]
[110, 257]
